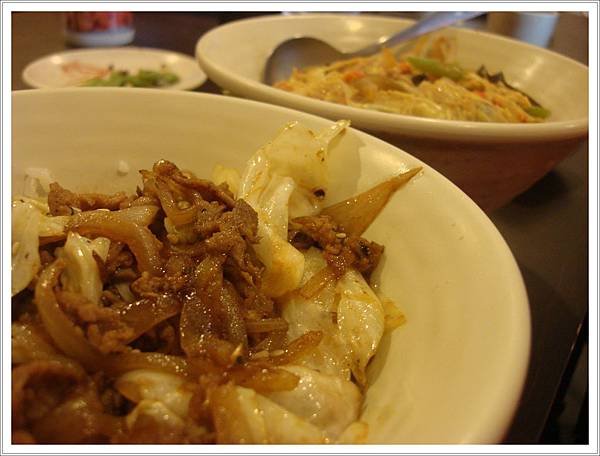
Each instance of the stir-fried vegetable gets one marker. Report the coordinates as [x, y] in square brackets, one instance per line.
[437, 68]
[354, 215]
[425, 81]
[25, 244]
[144, 245]
[64, 333]
[182, 314]
[538, 111]
[81, 274]
[284, 179]
[143, 78]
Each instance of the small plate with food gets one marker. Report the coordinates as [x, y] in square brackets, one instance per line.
[115, 67]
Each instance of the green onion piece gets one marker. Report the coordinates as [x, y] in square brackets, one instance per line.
[537, 111]
[437, 68]
[117, 79]
[146, 78]
[143, 78]
[93, 82]
[170, 78]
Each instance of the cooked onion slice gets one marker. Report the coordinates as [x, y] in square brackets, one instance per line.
[67, 337]
[213, 310]
[142, 215]
[140, 240]
[124, 362]
[355, 214]
[266, 325]
[296, 348]
[54, 228]
[28, 343]
[146, 313]
[234, 320]
[317, 282]
[265, 380]
[176, 215]
[198, 315]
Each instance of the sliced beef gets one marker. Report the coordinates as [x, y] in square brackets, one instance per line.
[62, 201]
[340, 250]
[101, 325]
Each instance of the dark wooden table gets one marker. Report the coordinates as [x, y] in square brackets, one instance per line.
[546, 227]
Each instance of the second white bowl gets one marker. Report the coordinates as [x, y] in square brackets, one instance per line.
[492, 162]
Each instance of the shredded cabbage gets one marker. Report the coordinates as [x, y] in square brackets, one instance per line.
[331, 356]
[81, 273]
[328, 402]
[348, 343]
[147, 385]
[37, 182]
[26, 261]
[243, 416]
[360, 320]
[229, 176]
[286, 178]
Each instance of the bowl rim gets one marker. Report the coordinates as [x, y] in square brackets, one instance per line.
[495, 420]
[375, 121]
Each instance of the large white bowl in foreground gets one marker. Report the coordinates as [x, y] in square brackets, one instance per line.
[454, 372]
[492, 162]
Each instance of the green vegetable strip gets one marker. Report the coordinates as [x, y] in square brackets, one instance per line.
[143, 78]
[537, 111]
[437, 68]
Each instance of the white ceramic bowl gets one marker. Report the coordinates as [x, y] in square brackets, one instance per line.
[492, 162]
[455, 371]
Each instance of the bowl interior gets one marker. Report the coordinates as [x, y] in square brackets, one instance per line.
[555, 81]
[454, 372]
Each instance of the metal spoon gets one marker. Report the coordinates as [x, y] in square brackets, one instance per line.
[306, 51]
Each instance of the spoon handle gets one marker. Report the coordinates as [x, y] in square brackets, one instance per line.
[431, 22]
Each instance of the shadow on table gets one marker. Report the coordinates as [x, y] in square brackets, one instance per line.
[550, 187]
[554, 332]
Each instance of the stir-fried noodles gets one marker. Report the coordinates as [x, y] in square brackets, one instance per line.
[424, 82]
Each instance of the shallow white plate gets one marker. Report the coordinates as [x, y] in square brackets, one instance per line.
[455, 371]
[58, 71]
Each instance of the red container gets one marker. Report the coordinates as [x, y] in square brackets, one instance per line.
[99, 28]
